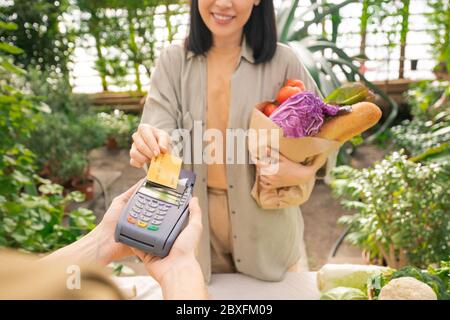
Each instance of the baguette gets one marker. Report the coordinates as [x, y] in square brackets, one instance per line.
[363, 116]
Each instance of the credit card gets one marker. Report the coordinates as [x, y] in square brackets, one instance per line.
[165, 170]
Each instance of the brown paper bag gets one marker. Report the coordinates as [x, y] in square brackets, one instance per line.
[265, 133]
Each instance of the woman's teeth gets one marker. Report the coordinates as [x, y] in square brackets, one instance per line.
[222, 18]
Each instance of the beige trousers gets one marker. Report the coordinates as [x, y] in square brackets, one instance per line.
[220, 232]
[220, 236]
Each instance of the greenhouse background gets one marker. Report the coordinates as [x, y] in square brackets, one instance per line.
[382, 40]
[418, 58]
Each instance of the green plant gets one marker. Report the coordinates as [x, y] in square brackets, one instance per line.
[32, 209]
[119, 126]
[35, 221]
[402, 209]
[55, 92]
[404, 12]
[124, 34]
[19, 114]
[427, 98]
[43, 35]
[62, 142]
[427, 135]
[66, 133]
[439, 19]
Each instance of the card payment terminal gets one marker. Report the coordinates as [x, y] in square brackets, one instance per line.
[155, 215]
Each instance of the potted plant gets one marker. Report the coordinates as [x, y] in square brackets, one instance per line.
[401, 209]
[62, 143]
[84, 183]
[119, 127]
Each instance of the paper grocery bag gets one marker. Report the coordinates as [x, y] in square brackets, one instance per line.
[265, 133]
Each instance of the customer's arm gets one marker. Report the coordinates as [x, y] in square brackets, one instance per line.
[99, 245]
[178, 274]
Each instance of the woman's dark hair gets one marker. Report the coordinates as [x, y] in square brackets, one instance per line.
[260, 32]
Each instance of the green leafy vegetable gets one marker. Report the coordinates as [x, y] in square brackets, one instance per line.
[443, 273]
[345, 275]
[349, 94]
[343, 293]
[377, 282]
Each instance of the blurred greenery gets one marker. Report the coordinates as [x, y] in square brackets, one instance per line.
[62, 143]
[32, 209]
[125, 29]
[39, 34]
[427, 135]
[439, 19]
[65, 135]
[119, 127]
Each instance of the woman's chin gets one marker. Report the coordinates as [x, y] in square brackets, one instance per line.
[224, 33]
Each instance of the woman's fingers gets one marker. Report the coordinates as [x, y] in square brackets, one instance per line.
[141, 146]
[136, 164]
[320, 160]
[163, 139]
[146, 132]
[138, 157]
[265, 181]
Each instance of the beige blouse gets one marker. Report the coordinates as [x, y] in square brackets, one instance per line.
[265, 242]
[221, 64]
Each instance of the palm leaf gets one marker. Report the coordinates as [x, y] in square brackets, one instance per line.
[303, 31]
[286, 20]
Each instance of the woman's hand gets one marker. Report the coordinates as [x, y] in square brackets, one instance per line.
[148, 142]
[286, 173]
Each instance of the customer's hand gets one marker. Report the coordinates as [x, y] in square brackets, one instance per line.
[108, 249]
[148, 142]
[282, 172]
[99, 244]
[182, 254]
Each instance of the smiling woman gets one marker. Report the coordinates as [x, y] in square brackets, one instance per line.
[230, 62]
[220, 23]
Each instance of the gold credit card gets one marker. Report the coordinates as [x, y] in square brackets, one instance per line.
[165, 170]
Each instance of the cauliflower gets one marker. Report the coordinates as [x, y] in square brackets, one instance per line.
[407, 288]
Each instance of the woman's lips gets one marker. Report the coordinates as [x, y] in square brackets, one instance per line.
[222, 19]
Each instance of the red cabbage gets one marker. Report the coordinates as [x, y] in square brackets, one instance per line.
[302, 114]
